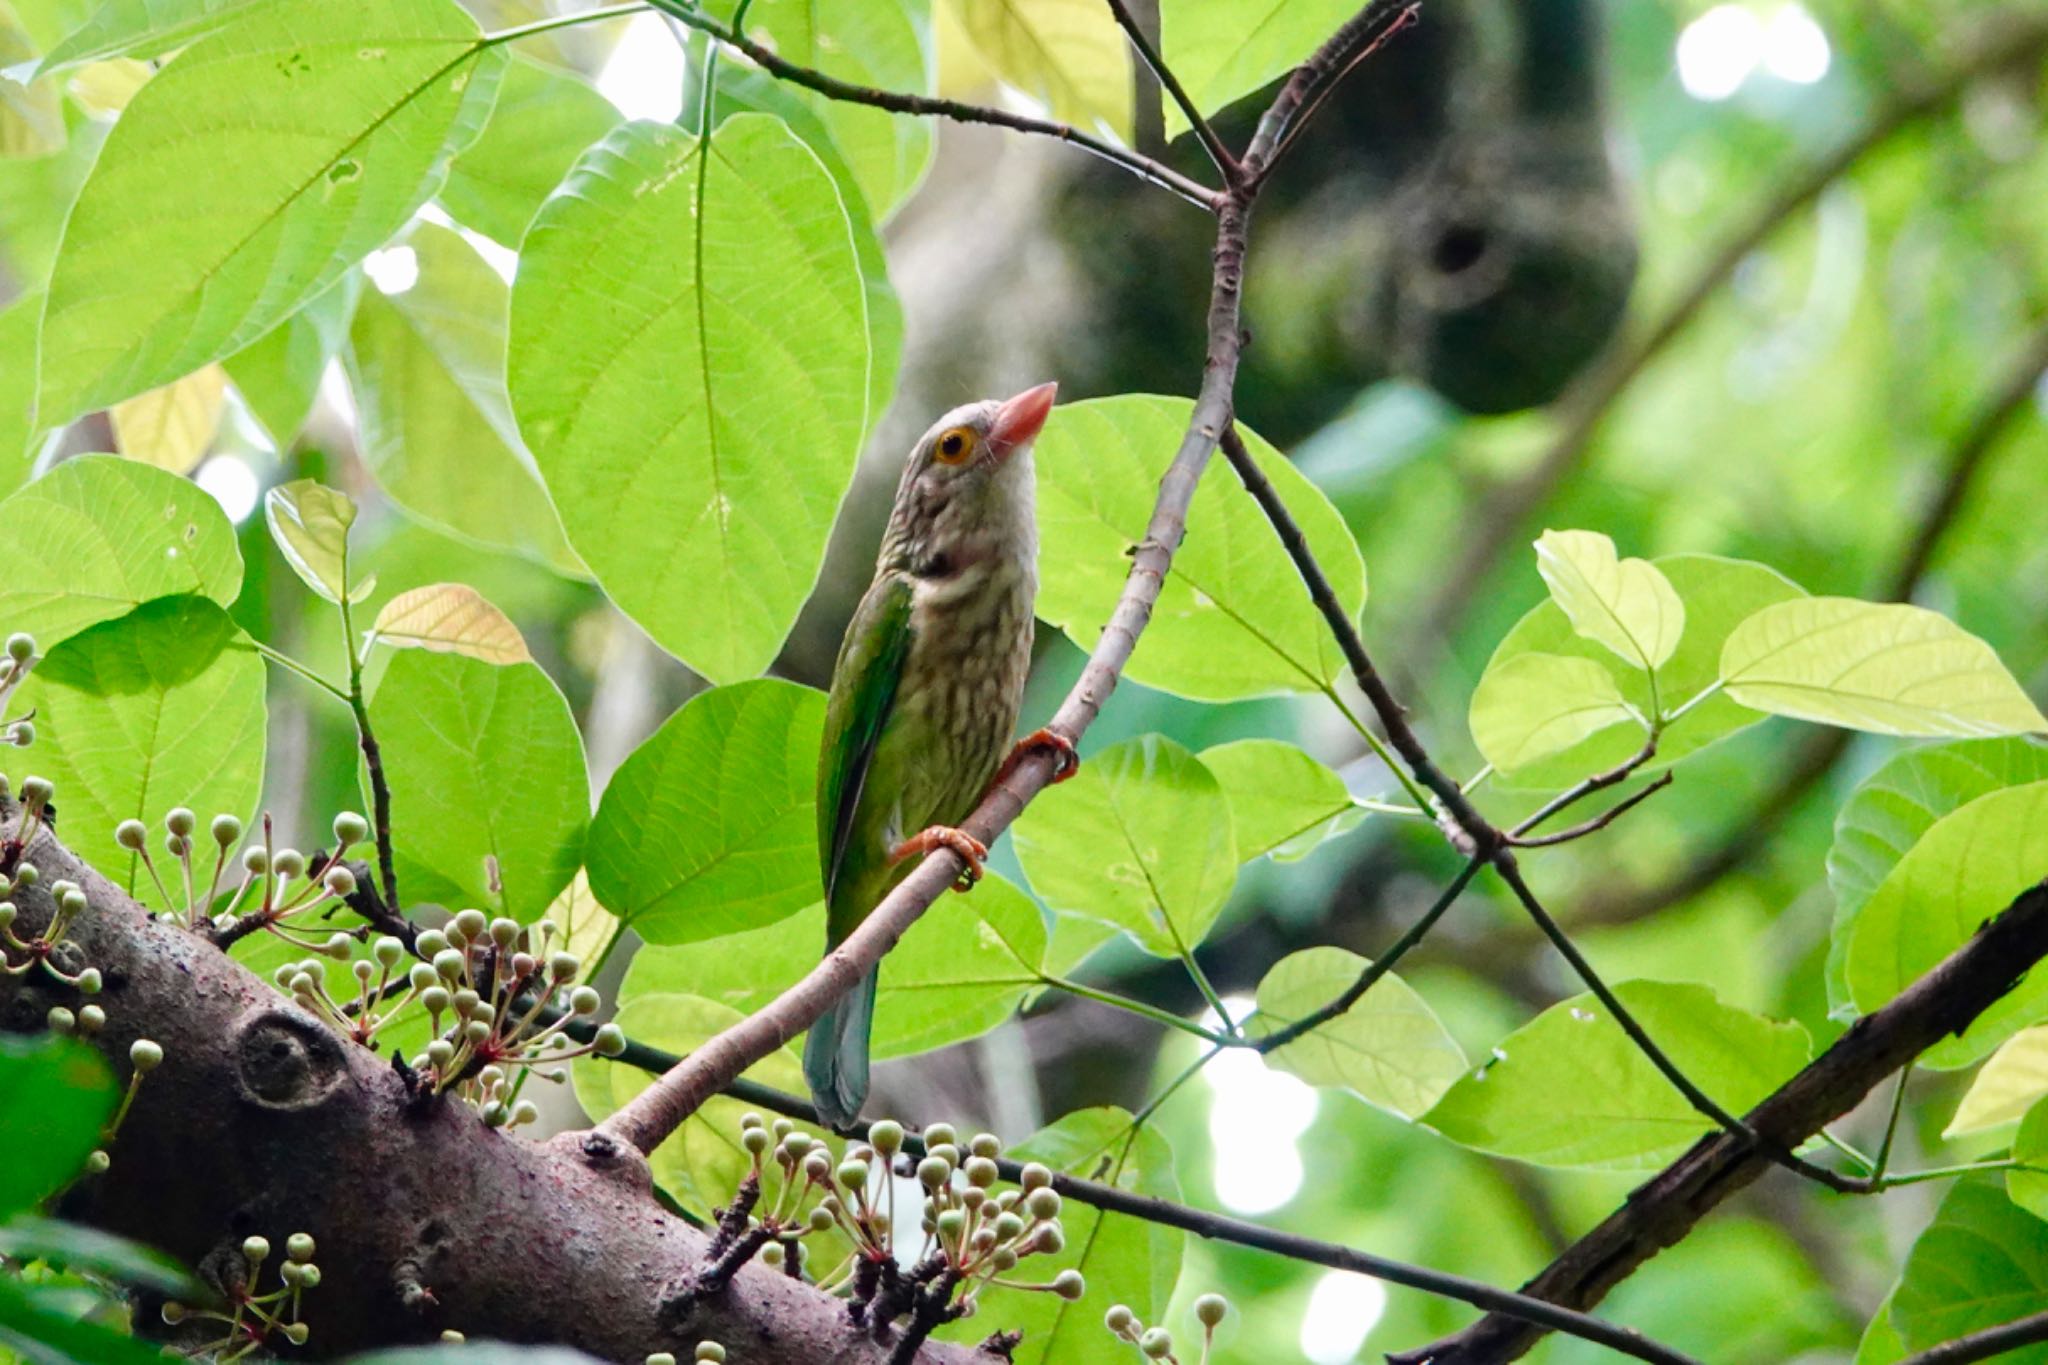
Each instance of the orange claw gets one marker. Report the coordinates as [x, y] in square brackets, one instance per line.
[1066, 761]
[970, 849]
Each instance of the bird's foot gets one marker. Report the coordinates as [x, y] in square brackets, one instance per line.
[970, 849]
[1066, 762]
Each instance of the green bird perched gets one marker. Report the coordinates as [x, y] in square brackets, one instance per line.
[925, 693]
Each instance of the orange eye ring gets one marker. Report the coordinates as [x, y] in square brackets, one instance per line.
[957, 446]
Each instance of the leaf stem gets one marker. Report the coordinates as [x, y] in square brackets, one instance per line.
[555, 21]
[373, 756]
[1139, 1007]
[284, 660]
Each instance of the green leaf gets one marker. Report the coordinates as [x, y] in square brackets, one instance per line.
[142, 28]
[163, 707]
[1123, 1259]
[1718, 594]
[98, 536]
[1888, 668]
[701, 1164]
[310, 522]
[1389, 1048]
[696, 411]
[489, 795]
[2006, 1086]
[279, 375]
[1535, 705]
[710, 826]
[339, 122]
[1282, 801]
[1897, 804]
[19, 319]
[1234, 618]
[1570, 1090]
[2029, 1188]
[74, 1246]
[960, 970]
[1981, 1263]
[55, 1097]
[1222, 53]
[1067, 54]
[882, 47]
[1140, 838]
[427, 368]
[1880, 1343]
[544, 119]
[1969, 866]
[1627, 605]
[44, 1324]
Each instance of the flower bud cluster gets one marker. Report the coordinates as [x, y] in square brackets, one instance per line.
[1156, 1343]
[254, 1318]
[69, 902]
[282, 889]
[14, 666]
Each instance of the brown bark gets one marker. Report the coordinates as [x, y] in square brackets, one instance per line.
[261, 1120]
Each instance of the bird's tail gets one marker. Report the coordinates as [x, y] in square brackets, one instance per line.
[836, 1054]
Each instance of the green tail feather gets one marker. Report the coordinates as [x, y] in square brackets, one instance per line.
[836, 1055]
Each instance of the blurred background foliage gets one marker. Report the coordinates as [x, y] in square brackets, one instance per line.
[1801, 415]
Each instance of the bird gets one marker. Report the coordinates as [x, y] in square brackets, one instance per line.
[925, 695]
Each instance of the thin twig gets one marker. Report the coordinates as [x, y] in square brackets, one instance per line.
[1598, 822]
[1219, 155]
[1984, 1345]
[926, 106]
[1598, 781]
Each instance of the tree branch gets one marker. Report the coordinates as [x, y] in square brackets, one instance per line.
[1493, 526]
[657, 1111]
[1992, 1341]
[926, 106]
[1665, 1209]
[1219, 155]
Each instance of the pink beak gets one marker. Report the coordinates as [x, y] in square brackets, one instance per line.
[1020, 419]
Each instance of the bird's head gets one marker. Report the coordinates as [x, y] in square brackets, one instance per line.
[966, 490]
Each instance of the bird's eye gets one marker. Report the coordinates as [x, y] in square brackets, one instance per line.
[956, 445]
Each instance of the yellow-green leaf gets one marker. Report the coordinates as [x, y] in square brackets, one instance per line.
[1389, 1048]
[1222, 52]
[2006, 1086]
[1535, 705]
[310, 522]
[172, 427]
[1888, 668]
[1068, 54]
[450, 618]
[1625, 604]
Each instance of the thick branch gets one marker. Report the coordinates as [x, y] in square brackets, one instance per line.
[1661, 1212]
[1493, 526]
[661, 1108]
[926, 106]
[262, 1120]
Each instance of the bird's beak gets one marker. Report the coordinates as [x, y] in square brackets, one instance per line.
[1020, 419]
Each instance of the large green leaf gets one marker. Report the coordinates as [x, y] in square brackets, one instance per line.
[1536, 705]
[1068, 54]
[1222, 53]
[710, 826]
[1569, 1089]
[19, 319]
[1717, 594]
[960, 971]
[427, 367]
[1282, 801]
[544, 119]
[1969, 866]
[98, 536]
[1124, 1260]
[880, 46]
[163, 707]
[1389, 1048]
[489, 794]
[1889, 668]
[1234, 618]
[1897, 804]
[338, 120]
[278, 376]
[1140, 838]
[1627, 605]
[55, 1096]
[1981, 1263]
[702, 1162]
[697, 411]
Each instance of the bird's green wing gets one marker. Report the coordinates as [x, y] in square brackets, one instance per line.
[864, 684]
